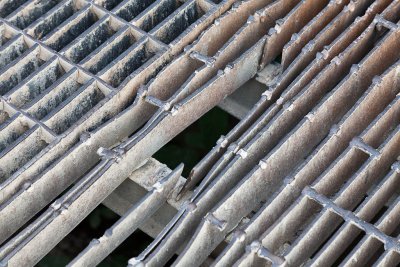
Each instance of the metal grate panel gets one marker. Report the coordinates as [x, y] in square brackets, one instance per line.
[309, 176]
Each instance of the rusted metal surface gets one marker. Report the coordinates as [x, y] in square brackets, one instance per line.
[91, 90]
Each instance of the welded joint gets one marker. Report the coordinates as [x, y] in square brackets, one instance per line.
[334, 130]
[264, 253]
[278, 26]
[254, 247]
[354, 69]
[267, 94]
[310, 116]
[262, 164]
[59, 206]
[226, 70]
[134, 262]
[167, 184]
[381, 23]
[111, 154]
[174, 109]
[350, 7]
[42, 125]
[214, 221]
[295, 36]
[271, 32]
[237, 150]
[288, 105]
[325, 53]
[209, 61]
[85, 136]
[337, 60]
[233, 148]
[396, 167]
[377, 80]
[222, 141]
[359, 143]
[239, 235]
[143, 91]
[242, 153]
[262, 17]
[190, 206]
[236, 6]
[389, 242]
[166, 106]
[280, 101]
[257, 247]
[310, 46]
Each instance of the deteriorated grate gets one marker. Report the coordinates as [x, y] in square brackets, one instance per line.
[309, 176]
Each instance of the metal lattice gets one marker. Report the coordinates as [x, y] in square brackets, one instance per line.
[309, 176]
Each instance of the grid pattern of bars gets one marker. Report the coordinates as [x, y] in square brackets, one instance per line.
[68, 69]
[91, 90]
[313, 165]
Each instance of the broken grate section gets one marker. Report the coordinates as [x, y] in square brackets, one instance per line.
[91, 90]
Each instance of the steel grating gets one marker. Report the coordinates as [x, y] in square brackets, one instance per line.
[90, 90]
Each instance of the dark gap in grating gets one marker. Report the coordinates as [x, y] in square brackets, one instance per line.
[74, 31]
[396, 232]
[192, 144]
[92, 41]
[359, 158]
[328, 240]
[181, 22]
[109, 116]
[172, 260]
[373, 258]
[359, 203]
[350, 247]
[15, 129]
[218, 250]
[53, 99]
[12, 52]
[131, 247]
[117, 49]
[163, 10]
[133, 8]
[55, 20]
[140, 56]
[26, 17]
[4, 116]
[93, 226]
[379, 214]
[378, 142]
[9, 6]
[73, 114]
[278, 59]
[3, 39]
[36, 87]
[99, 123]
[109, 4]
[18, 75]
[23, 157]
